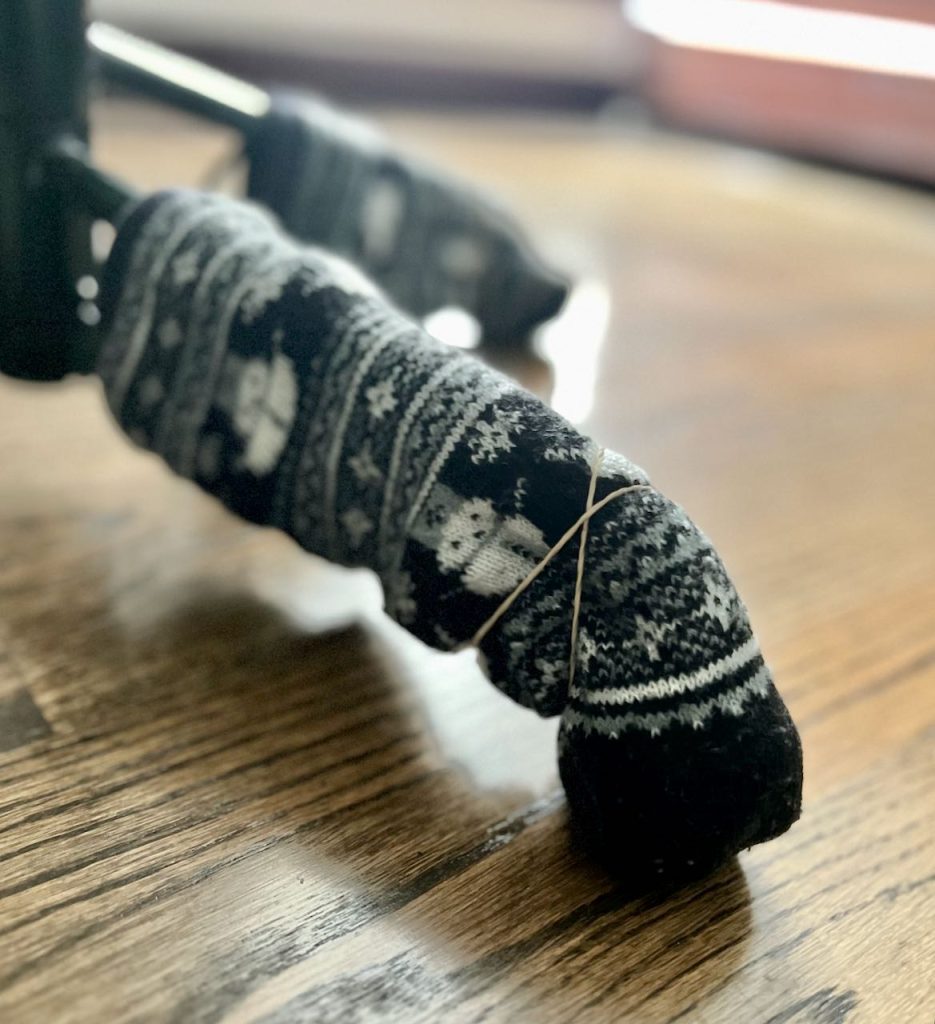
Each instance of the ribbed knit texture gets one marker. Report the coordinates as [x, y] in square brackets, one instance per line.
[430, 241]
[280, 380]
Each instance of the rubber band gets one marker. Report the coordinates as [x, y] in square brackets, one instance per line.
[581, 523]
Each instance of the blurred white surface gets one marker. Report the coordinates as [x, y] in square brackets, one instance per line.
[587, 40]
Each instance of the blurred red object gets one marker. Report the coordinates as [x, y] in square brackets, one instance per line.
[852, 81]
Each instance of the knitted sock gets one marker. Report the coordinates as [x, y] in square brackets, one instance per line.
[428, 240]
[280, 381]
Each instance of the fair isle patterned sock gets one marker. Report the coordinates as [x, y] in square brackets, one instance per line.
[428, 240]
[280, 381]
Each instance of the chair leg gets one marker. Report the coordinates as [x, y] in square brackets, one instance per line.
[44, 242]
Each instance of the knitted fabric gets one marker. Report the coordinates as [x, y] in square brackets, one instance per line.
[427, 239]
[280, 380]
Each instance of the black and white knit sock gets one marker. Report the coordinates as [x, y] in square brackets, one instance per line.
[280, 381]
[428, 240]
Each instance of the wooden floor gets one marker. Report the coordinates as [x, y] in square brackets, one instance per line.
[231, 791]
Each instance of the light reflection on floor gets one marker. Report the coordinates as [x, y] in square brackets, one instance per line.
[573, 343]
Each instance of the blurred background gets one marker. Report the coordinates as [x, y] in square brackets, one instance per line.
[740, 190]
[850, 81]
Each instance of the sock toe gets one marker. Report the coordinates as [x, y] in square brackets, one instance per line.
[676, 750]
[668, 807]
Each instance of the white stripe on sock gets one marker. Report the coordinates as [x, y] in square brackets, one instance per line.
[674, 685]
[732, 702]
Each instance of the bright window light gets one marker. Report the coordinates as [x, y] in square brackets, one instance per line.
[783, 31]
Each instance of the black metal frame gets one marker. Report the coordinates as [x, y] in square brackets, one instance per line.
[43, 97]
[50, 192]
[181, 81]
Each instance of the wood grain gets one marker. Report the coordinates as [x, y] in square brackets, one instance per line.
[231, 791]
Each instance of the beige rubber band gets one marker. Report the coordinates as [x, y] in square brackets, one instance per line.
[581, 523]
